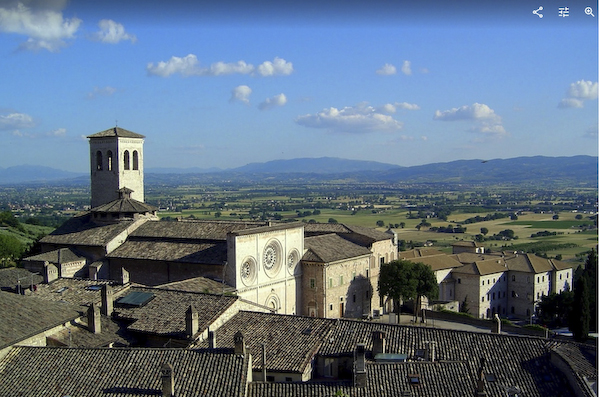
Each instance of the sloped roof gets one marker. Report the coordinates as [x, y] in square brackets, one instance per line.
[165, 313]
[358, 234]
[79, 292]
[198, 284]
[560, 265]
[116, 132]
[529, 263]
[120, 372]
[173, 251]
[291, 341]
[124, 205]
[419, 252]
[24, 316]
[437, 262]
[483, 268]
[9, 277]
[59, 256]
[331, 248]
[201, 230]
[445, 379]
[580, 358]
[81, 231]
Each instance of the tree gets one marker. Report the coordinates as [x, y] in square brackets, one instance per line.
[555, 217]
[380, 223]
[464, 306]
[578, 216]
[331, 220]
[484, 230]
[406, 280]
[579, 322]
[554, 309]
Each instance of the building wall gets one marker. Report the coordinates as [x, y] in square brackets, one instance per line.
[266, 267]
[153, 273]
[521, 294]
[313, 289]
[563, 281]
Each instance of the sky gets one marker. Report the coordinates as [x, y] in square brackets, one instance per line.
[227, 83]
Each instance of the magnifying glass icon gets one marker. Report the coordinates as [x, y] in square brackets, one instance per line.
[589, 11]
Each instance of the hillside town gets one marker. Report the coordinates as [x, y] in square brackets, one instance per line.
[120, 303]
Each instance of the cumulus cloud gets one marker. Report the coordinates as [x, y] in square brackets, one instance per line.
[241, 93]
[269, 103]
[356, 119]
[112, 32]
[277, 67]
[190, 66]
[394, 107]
[579, 92]
[406, 68]
[15, 121]
[99, 92]
[486, 120]
[44, 27]
[386, 70]
[60, 132]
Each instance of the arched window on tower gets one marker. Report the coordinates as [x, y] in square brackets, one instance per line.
[109, 160]
[99, 160]
[135, 160]
[126, 160]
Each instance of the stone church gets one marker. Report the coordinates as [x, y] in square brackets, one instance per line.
[120, 238]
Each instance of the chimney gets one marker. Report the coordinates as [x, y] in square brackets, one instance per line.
[360, 369]
[191, 322]
[212, 340]
[240, 345]
[496, 325]
[50, 272]
[479, 391]
[378, 343]
[264, 362]
[431, 347]
[124, 276]
[107, 300]
[94, 319]
[167, 380]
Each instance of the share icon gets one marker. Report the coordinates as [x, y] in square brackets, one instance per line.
[537, 12]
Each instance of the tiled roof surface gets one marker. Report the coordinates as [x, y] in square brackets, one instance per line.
[24, 316]
[165, 313]
[119, 372]
[80, 231]
[9, 278]
[291, 341]
[491, 266]
[65, 255]
[76, 291]
[465, 244]
[364, 236]
[419, 252]
[529, 263]
[581, 358]
[125, 205]
[560, 265]
[80, 336]
[201, 230]
[172, 251]
[116, 131]
[199, 284]
[437, 262]
[445, 379]
[330, 248]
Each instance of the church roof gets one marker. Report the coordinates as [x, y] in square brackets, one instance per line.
[122, 205]
[59, 256]
[116, 132]
[80, 231]
[208, 253]
[331, 248]
[196, 230]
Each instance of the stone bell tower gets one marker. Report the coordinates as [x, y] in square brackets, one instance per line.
[117, 161]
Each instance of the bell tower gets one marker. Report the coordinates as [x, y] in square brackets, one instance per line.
[117, 161]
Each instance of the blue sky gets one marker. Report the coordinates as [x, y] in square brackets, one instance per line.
[228, 83]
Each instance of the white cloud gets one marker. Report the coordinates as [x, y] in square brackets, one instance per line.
[386, 70]
[487, 122]
[112, 32]
[241, 93]
[592, 132]
[104, 91]
[579, 92]
[45, 27]
[190, 66]
[16, 121]
[60, 132]
[570, 103]
[393, 107]
[424, 138]
[406, 68]
[359, 119]
[269, 103]
[279, 66]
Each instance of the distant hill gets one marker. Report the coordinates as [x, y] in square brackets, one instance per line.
[572, 171]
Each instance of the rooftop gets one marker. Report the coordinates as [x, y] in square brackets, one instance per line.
[116, 132]
[331, 248]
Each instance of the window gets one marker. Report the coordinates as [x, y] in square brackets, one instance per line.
[488, 282]
[99, 160]
[513, 294]
[330, 282]
[353, 275]
[312, 283]
[567, 275]
[494, 280]
[354, 298]
[543, 279]
[381, 261]
[483, 282]
[488, 297]
[538, 295]
[483, 298]
[288, 379]
[341, 280]
[126, 160]
[560, 276]
[513, 277]
[109, 160]
[135, 160]
[459, 280]
[538, 279]
[494, 296]
[367, 271]
[331, 307]
[270, 378]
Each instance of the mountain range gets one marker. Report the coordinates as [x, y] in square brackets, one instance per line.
[574, 171]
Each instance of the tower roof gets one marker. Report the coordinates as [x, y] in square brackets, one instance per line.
[116, 132]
